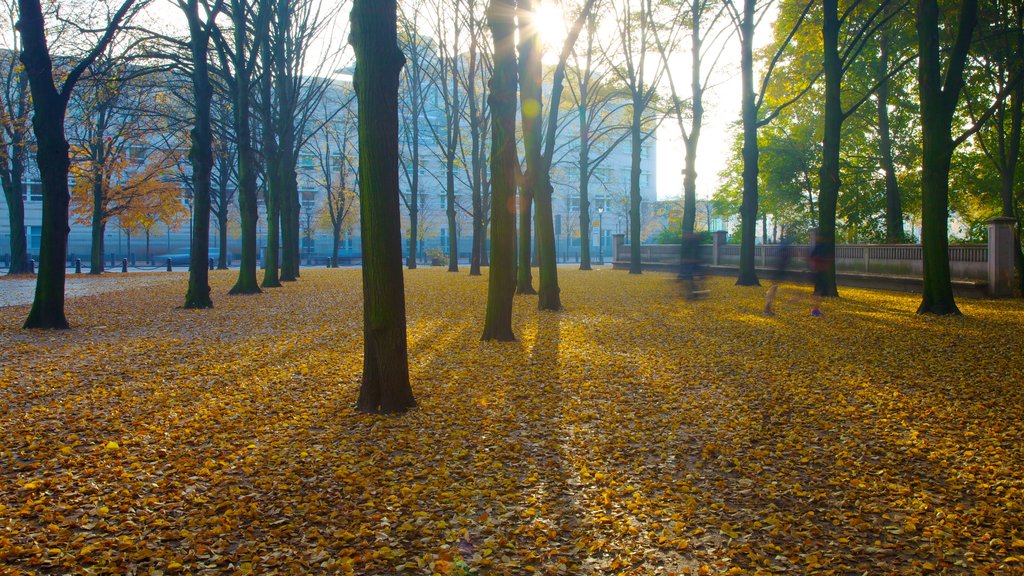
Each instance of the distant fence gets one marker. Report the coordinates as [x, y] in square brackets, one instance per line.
[977, 269]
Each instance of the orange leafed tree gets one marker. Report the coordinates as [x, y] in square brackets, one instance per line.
[120, 179]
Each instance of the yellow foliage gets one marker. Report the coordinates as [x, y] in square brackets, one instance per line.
[632, 433]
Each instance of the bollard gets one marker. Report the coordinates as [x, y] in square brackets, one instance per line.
[32, 266]
[78, 265]
[124, 264]
[168, 264]
[211, 263]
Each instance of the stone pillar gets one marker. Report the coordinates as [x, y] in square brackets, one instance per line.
[618, 241]
[1000, 257]
[716, 247]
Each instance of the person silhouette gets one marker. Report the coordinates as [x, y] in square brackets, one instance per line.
[782, 258]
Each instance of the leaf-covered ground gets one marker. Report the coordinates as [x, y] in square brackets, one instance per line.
[633, 433]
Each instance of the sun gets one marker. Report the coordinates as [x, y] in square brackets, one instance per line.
[550, 21]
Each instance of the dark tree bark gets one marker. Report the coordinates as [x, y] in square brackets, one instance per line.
[748, 109]
[893, 201]
[501, 283]
[50, 108]
[248, 210]
[939, 94]
[385, 384]
[828, 174]
[273, 184]
[201, 156]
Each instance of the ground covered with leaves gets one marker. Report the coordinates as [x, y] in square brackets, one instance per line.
[632, 433]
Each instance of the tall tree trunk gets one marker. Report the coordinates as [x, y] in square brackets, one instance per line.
[99, 221]
[584, 181]
[385, 384]
[476, 152]
[939, 94]
[893, 202]
[501, 284]
[697, 106]
[531, 99]
[274, 185]
[52, 159]
[748, 210]
[248, 208]
[828, 175]
[414, 188]
[201, 155]
[13, 184]
[222, 226]
[635, 266]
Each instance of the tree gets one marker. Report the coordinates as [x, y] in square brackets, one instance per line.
[856, 28]
[599, 130]
[14, 147]
[331, 147]
[939, 92]
[413, 98]
[50, 105]
[530, 110]
[201, 150]
[501, 282]
[1000, 47]
[697, 12]
[385, 384]
[238, 62]
[635, 29]
[117, 113]
[476, 100]
[538, 173]
[224, 178]
[753, 118]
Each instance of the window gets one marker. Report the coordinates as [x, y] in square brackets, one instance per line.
[138, 154]
[32, 192]
[306, 161]
[645, 180]
[35, 233]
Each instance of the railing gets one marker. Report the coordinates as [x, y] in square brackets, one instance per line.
[990, 264]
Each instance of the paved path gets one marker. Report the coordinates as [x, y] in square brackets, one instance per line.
[18, 291]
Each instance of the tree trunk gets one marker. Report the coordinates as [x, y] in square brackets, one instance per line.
[201, 156]
[635, 266]
[531, 96]
[748, 210]
[248, 208]
[385, 384]
[893, 203]
[52, 159]
[697, 106]
[476, 153]
[501, 282]
[938, 100]
[273, 183]
[828, 175]
[584, 183]
[13, 183]
[99, 225]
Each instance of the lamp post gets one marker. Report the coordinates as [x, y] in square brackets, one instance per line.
[600, 234]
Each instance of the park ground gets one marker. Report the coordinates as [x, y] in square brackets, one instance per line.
[632, 433]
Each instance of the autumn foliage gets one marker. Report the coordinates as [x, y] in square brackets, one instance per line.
[632, 433]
